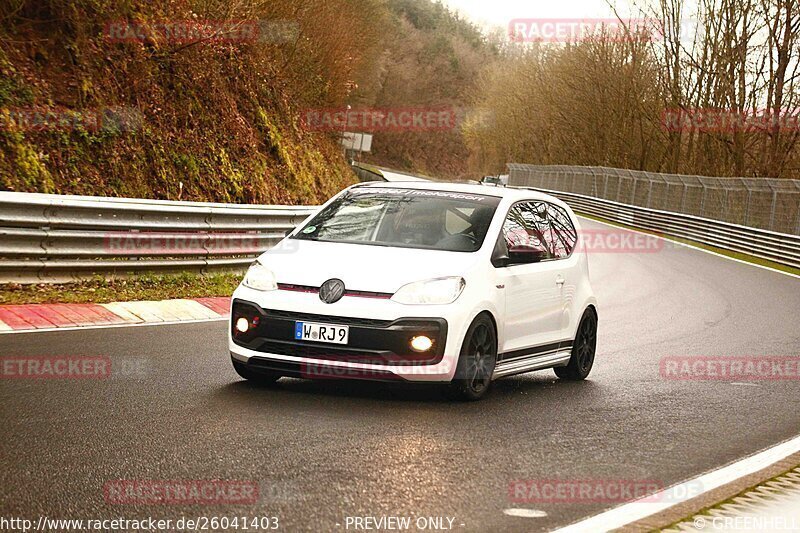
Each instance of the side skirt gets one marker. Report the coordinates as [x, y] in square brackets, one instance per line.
[535, 361]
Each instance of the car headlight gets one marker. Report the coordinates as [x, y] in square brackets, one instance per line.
[431, 291]
[260, 278]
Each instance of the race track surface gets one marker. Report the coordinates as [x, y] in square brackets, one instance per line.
[173, 409]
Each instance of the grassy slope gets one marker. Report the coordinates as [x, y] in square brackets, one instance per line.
[214, 117]
[121, 290]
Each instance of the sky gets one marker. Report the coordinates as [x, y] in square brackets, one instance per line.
[497, 13]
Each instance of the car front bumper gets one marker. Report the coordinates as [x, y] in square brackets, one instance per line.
[378, 345]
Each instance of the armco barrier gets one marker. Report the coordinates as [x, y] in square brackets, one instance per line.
[54, 238]
[766, 203]
[778, 247]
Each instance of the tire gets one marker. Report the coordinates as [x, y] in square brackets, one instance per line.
[476, 362]
[259, 378]
[583, 350]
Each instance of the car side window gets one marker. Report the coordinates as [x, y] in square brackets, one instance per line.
[562, 235]
[525, 228]
[540, 225]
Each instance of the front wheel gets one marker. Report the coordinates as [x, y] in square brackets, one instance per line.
[476, 362]
[583, 349]
[259, 378]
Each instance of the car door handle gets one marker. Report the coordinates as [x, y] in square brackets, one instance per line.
[560, 280]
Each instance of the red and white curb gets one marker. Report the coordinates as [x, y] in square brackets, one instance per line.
[14, 318]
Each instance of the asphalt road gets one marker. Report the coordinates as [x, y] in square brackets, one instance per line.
[173, 409]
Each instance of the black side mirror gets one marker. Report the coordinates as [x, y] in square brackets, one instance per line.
[500, 253]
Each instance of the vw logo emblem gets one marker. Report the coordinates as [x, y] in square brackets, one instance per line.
[331, 291]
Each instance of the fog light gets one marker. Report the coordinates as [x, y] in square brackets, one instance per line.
[242, 325]
[421, 343]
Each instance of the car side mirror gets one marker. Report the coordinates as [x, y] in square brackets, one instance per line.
[519, 254]
[500, 253]
[500, 260]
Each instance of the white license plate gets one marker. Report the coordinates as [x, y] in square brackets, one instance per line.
[310, 331]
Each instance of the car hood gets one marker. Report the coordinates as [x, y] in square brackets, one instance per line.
[361, 267]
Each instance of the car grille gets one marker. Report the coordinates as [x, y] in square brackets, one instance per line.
[345, 321]
[323, 352]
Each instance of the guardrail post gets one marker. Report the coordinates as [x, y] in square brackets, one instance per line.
[772, 213]
[42, 273]
[207, 240]
[703, 200]
[725, 203]
[683, 197]
[797, 229]
[747, 207]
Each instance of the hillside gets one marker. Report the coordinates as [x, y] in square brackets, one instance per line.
[202, 100]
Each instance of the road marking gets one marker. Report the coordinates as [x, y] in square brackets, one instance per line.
[163, 310]
[524, 513]
[67, 317]
[650, 505]
[190, 309]
[119, 309]
[691, 246]
[108, 326]
[141, 310]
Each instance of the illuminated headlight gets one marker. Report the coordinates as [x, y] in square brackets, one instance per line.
[242, 325]
[421, 343]
[431, 292]
[260, 278]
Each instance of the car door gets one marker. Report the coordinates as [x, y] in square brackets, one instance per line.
[533, 289]
[562, 239]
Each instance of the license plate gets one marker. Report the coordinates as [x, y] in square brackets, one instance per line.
[310, 331]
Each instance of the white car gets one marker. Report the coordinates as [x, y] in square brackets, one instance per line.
[420, 281]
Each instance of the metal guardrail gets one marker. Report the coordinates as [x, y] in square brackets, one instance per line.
[53, 238]
[367, 172]
[778, 247]
[766, 203]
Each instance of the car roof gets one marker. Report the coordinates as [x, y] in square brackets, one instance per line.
[513, 193]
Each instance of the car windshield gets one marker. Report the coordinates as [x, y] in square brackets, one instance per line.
[410, 218]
